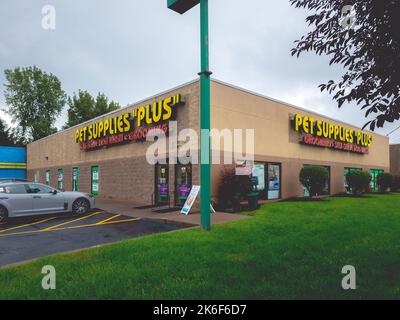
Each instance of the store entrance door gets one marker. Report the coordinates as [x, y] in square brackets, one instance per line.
[161, 185]
[183, 183]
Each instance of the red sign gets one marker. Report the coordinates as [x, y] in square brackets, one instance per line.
[333, 144]
[138, 135]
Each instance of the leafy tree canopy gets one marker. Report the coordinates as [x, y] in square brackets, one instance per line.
[34, 100]
[369, 52]
[83, 107]
[5, 135]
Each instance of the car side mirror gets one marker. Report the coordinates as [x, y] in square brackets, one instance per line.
[55, 192]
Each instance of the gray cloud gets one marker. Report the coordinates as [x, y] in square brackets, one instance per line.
[133, 49]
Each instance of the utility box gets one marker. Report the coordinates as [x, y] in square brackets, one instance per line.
[181, 6]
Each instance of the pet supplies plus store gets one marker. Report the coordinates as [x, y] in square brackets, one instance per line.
[107, 156]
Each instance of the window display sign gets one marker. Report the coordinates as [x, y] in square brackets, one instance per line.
[259, 173]
[162, 189]
[48, 177]
[128, 127]
[190, 200]
[183, 191]
[274, 181]
[60, 179]
[75, 179]
[320, 133]
[95, 180]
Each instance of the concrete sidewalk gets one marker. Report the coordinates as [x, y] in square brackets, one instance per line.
[129, 209]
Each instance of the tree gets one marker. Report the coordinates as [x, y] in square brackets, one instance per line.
[34, 100]
[5, 135]
[314, 179]
[358, 181]
[83, 107]
[396, 184]
[233, 189]
[385, 181]
[369, 52]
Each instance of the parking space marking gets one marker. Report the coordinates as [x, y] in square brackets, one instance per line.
[72, 221]
[27, 225]
[68, 228]
[109, 219]
[97, 225]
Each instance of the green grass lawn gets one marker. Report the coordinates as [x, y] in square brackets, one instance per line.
[288, 250]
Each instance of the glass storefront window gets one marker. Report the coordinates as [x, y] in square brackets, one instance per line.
[258, 171]
[269, 180]
[327, 189]
[347, 171]
[95, 180]
[374, 179]
[183, 183]
[274, 181]
[75, 179]
[48, 177]
[162, 184]
[60, 179]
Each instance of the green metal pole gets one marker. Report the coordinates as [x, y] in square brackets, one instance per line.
[205, 122]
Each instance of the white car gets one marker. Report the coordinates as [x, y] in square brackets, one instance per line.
[19, 199]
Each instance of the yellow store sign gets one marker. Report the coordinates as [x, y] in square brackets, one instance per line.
[326, 134]
[130, 126]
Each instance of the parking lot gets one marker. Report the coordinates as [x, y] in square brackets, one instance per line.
[28, 238]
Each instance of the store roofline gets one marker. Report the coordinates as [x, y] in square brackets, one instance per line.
[293, 106]
[216, 81]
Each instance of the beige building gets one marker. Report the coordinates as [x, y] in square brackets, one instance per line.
[107, 156]
[395, 159]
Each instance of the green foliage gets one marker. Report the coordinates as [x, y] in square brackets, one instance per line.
[369, 53]
[358, 181]
[233, 189]
[83, 107]
[314, 179]
[385, 181]
[34, 100]
[396, 184]
[5, 135]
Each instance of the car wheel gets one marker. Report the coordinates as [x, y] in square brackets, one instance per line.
[3, 214]
[80, 206]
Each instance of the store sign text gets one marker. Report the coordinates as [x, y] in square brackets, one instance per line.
[324, 134]
[128, 127]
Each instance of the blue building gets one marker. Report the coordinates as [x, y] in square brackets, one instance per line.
[12, 162]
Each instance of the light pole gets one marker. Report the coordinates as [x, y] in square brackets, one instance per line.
[181, 6]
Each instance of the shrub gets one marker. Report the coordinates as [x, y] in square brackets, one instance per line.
[358, 181]
[396, 184]
[233, 189]
[314, 179]
[385, 181]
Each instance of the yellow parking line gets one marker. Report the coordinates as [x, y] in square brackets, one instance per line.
[27, 225]
[109, 219]
[72, 221]
[97, 225]
[68, 228]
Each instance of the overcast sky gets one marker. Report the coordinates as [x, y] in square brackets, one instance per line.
[131, 49]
